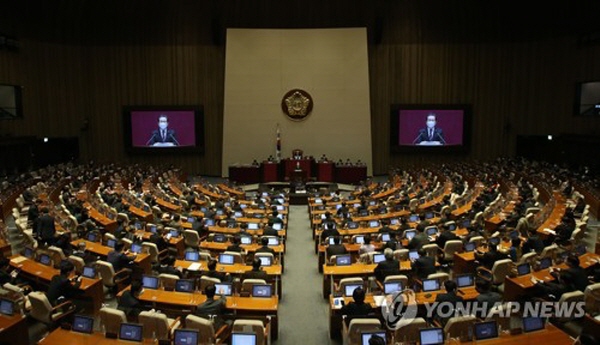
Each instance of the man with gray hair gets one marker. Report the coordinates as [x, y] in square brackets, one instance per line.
[387, 267]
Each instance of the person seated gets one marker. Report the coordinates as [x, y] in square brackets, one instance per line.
[553, 290]
[269, 231]
[420, 239]
[168, 267]
[119, 259]
[577, 274]
[445, 236]
[486, 297]
[273, 219]
[84, 254]
[129, 301]
[264, 241]
[336, 248]
[450, 296]
[357, 307]
[213, 273]
[367, 246]
[62, 287]
[5, 271]
[387, 267]
[488, 258]
[256, 272]
[424, 265]
[376, 340]
[329, 231]
[213, 307]
[533, 243]
[235, 245]
[158, 238]
[515, 252]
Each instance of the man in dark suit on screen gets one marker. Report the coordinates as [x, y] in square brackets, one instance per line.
[431, 133]
[163, 136]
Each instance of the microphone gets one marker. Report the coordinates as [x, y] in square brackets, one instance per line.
[173, 137]
[442, 138]
[417, 138]
[149, 140]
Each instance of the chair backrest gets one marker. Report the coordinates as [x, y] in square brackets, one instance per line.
[550, 251]
[248, 283]
[401, 254]
[154, 325]
[126, 243]
[500, 314]
[167, 281]
[431, 249]
[412, 204]
[477, 239]
[266, 255]
[397, 278]
[237, 257]
[570, 298]
[359, 325]
[206, 281]
[592, 298]
[112, 318]
[452, 247]
[407, 330]
[500, 270]
[56, 254]
[460, 327]
[151, 249]
[40, 307]
[440, 276]
[529, 258]
[204, 327]
[77, 262]
[191, 238]
[251, 326]
[350, 281]
[106, 271]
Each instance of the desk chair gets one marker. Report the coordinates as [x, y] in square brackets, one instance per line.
[477, 239]
[478, 219]
[341, 286]
[529, 258]
[497, 274]
[266, 255]
[237, 257]
[400, 278]
[191, 239]
[124, 217]
[450, 248]
[460, 327]
[431, 250]
[499, 313]
[412, 204]
[206, 281]
[112, 319]
[43, 311]
[126, 243]
[157, 325]
[78, 262]
[570, 325]
[156, 256]
[111, 279]
[351, 333]
[592, 299]
[401, 254]
[167, 281]
[549, 251]
[109, 236]
[56, 255]
[262, 331]
[407, 330]
[18, 295]
[247, 285]
[367, 258]
[206, 330]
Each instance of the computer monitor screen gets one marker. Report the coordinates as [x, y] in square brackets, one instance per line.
[243, 206]
[219, 238]
[245, 240]
[470, 246]
[385, 237]
[226, 259]
[394, 221]
[153, 228]
[111, 242]
[392, 287]
[28, 252]
[466, 223]
[45, 259]
[238, 214]
[363, 213]
[372, 203]
[209, 222]
[252, 226]
[220, 212]
[192, 256]
[265, 261]
[7, 307]
[349, 289]
[243, 339]
[83, 324]
[431, 336]
[413, 255]
[261, 290]
[431, 285]
[452, 226]
[413, 218]
[224, 289]
[431, 231]
[494, 241]
[352, 225]
[150, 282]
[409, 234]
[138, 226]
[130, 331]
[174, 233]
[191, 219]
[185, 337]
[318, 201]
[280, 207]
[136, 248]
[485, 330]
[273, 241]
[259, 215]
[184, 285]
[465, 280]
[545, 263]
[359, 239]
[373, 224]
[89, 272]
[277, 226]
[523, 269]
[365, 336]
[92, 237]
[429, 215]
[377, 258]
[531, 324]
[343, 260]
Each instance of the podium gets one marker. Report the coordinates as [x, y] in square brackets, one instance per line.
[297, 164]
[325, 171]
[269, 171]
[244, 174]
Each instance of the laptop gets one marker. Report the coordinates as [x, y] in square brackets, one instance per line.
[150, 282]
[83, 324]
[174, 233]
[153, 229]
[277, 226]
[191, 219]
[349, 289]
[431, 336]
[429, 215]
[465, 280]
[220, 212]
[273, 241]
[392, 287]
[409, 234]
[466, 223]
[394, 221]
[185, 337]
[131, 331]
[89, 272]
[385, 237]
[246, 240]
[111, 242]
[365, 336]
[224, 289]
[413, 218]
[343, 260]
[243, 339]
[192, 256]
[523, 269]
[136, 248]
[261, 290]
[318, 201]
[470, 246]
[226, 259]
[372, 203]
[280, 207]
[545, 263]
[45, 259]
[92, 237]
[184, 285]
[431, 285]
[352, 225]
[494, 241]
[238, 214]
[377, 258]
[243, 206]
[413, 255]
[252, 226]
[373, 224]
[7, 307]
[485, 330]
[363, 213]
[265, 261]
[431, 231]
[531, 324]
[360, 239]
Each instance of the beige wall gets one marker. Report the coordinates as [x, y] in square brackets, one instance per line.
[261, 65]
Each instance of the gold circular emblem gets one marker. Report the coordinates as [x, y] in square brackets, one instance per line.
[297, 104]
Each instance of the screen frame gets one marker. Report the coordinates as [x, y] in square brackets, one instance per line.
[198, 111]
[18, 98]
[395, 146]
[577, 100]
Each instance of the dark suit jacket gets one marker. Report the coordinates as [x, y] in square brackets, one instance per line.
[130, 304]
[118, 260]
[424, 266]
[577, 277]
[418, 241]
[169, 270]
[438, 135]
[235, 248]
[266, 249]
[445, 237]
[336, 249]
[45, 226]
[252, 274]
[353, 309]
[212, 307]
[61, 286]
[157, 138]
[386, 268]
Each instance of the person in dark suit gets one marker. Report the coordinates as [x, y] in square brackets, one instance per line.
[118, 258]
[444, 237]
[168, 267]
[265, 246]
[45, 227]
[420, 238]
[486, 297]
[269, 231]
[387, 267]
[212, 306]
[424, 265]
[256, 272]
[33, 212]
[336, 248]
[213, 273]
[62, 286]
[329, 231]
[450, 296]
[159, 239]
[533, 243]
[358, 307]
[488, 258]
[235, 245]
[129, 301]
[576, 274]
[163, 134]
[431, 132]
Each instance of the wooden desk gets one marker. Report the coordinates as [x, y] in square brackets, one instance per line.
[177, 242]
[167, 205]
[231, 190]
[14, 328]
[143, 260]
[549, 336]
[332, 273]
[109, 224]
[42, 274]
[63, 337]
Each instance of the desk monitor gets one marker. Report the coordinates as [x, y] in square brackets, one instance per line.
[422, 201]
[28, 252]
[243, 339]
[343, 260]
[226, 259]
[392, 287]
[220, 212]
[523, 269]
[209, 222]
[111, 242]
[191, 219]
[150, 282]
[89, 272]
[413, 255]
[494, 240]
[112, 216]
[7, 307]
[277, 226]
[365, 336]
[83, 324]
[338, 206]
[323, 216]
[373, 224]
[352, 225]
[485, 330]
[372, 203]
[137, 225]
[385, 237]
[252, 226]
[429, 215]
[545, 263]
[452, 226]
[192, 256]
[430, 231]
[280, 207]
[130, 331]
[431, 285]
[531, 324]
[273, 241]
[153, 229]
[363, 213]
[243, 206]
[465, 280]
[219, 238]
[238, 214]
[45, 259]
[466, 223]
[331, 240]
[409, 234]
[394, 221]
[318, 201]
[356, 205]
[224, 289]
[261, 290]
[136, 248]
[470, 246]
[431, 336]
[265, 261]
[245, 240]
[413, 218]
[360, 239]
[377, 258]
[92, 237]
[349, 289]
[281, 216]
[184, 336]
[203, 209]
[184, 285]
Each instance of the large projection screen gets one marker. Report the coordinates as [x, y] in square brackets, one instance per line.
[261, 65]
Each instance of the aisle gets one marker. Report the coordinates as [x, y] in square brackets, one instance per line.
[303, 312]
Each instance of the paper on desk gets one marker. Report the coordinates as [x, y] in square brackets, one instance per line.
[379, 300]
[18, 259]
[194, 267]
[550, 231]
